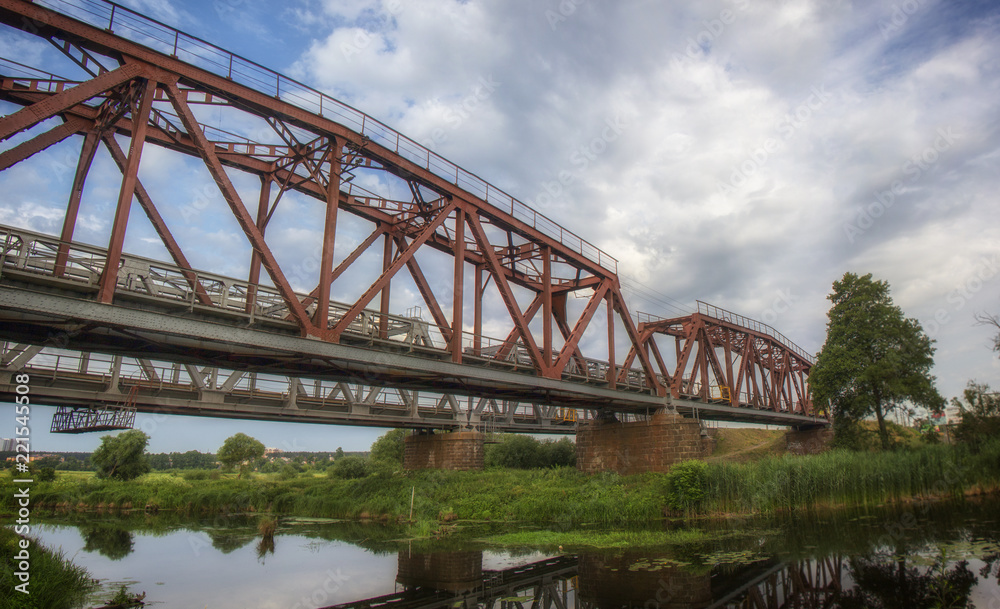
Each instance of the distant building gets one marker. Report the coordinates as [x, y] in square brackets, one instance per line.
[36, 457]
[7, 445]
[270, 452]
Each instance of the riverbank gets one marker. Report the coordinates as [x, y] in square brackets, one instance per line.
[560, 496]
[53, 581]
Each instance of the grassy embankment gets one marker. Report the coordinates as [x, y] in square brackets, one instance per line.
[55, 582]
[563, 497]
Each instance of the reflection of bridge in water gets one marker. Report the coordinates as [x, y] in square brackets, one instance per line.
[590, 581]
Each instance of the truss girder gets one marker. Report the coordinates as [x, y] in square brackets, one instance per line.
[722, 362]
[397, 214]
[150, 96]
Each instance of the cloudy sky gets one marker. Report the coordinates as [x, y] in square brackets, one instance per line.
[741, 153]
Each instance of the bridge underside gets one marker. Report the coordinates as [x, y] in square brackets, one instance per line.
[63, 321]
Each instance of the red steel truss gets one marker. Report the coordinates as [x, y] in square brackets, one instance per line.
[140, 86]
[726, 358]
[150, 83]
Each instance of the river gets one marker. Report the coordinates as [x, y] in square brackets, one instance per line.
[919, 555]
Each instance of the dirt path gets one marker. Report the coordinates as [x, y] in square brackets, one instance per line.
[741, 451]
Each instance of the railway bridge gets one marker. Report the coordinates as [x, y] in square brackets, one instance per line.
[476, 313]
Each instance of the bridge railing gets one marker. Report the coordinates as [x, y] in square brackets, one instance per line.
[195, 51]
[721, 314]
[31, 254]
[752, 324]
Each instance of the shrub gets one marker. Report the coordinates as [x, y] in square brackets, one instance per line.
[559, 454]
[349, 468]
[517, 451]
[514, 451]
[388, 449]
[685, 485]
[46, 474]
[287, 472]
[195, 474]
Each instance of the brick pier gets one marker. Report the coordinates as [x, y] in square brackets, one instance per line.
[462, 450]
[634, 448]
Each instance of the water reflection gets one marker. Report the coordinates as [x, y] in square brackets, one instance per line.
[936, 555]
[660, 581]
[114, 542]
[883, 583]
[228, 541]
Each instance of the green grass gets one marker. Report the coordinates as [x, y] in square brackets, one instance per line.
[55, 582]
[574, 540]
[563, 496]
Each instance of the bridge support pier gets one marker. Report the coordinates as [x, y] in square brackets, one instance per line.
[461, 450]
[457, 572]
[808, 440]
[634, 448]
[607, 581]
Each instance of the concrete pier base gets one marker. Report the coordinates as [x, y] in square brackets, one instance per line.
[460, 450]
[607, 445]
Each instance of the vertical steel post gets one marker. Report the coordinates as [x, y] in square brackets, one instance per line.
[321, 317]
[477, 322]
[73, 207]
[262, 208]
[383, 311]
[458, 297]
[547, 304]
[612, 372]
[140, 121]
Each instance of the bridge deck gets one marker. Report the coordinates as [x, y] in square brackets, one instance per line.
[153, 317]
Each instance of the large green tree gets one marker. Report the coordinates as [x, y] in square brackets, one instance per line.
[388, 448]
[240, 451]
[122, 457]
[875, 360]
